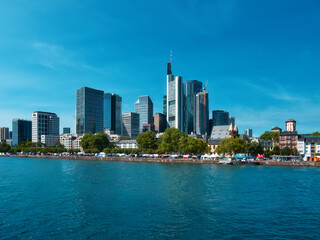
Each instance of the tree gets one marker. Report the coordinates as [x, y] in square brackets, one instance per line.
[315, 133]
[4, 147]
[125, 138]
[268, 135]
[254, 148]
[94, 141]
[231, 146]
[275, 150]
[286, 151]
[146, 141]
[192, 145]
[295, 152]
[170, 140]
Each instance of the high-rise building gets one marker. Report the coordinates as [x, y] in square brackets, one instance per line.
[66, 130]
[174, 99]
[248, 132]
[202, 113]
[165, 104]
[116, 114]
[89, 110]
[144, 107]
[44, 123]
[191, 88]
[160, 122]
[4, 133]
[21, 131]
[220, 118]
[130, 124]
[107, 110]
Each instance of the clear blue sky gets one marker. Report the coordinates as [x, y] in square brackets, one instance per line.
[262, 58]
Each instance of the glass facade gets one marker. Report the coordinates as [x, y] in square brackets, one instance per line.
[220, 118]
[191, 87]
[131, 124]
[116, 114]
[202, 113]
[107, 111]
[89, 110]
[21, 131]
[144, 107]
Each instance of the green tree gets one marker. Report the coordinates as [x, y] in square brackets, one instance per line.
[231, 146]
[315, 133]
[275, 150]
[254, 148]
[286, 151]
[295, 152]
[146, 141]
[170, 140]
[125, 138]
[94, 141]
[268, 135]
[4, 147]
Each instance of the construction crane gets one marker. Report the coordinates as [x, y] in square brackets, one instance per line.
[205, 110]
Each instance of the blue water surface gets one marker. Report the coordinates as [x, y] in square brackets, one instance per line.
[73, 199]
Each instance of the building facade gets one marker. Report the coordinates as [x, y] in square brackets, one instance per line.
[116, 114]
[144, 107]
[191, 88]
[107, 101]
[71, 141]
[66, 130]
[220, 118]
[44, 123]
[159, 122]
[50, 140]
[127, 144]
[202, 113]
[4, 133]
[89, 110]
[21, 131]
[131, 124]
[248, 132]
[289, 138]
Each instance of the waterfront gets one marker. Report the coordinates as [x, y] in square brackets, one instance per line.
[64, 199]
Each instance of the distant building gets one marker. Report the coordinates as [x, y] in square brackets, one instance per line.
[4, 133]
[130, 124]
[66, 130]
[276, 129]
[220, 118]
[232, 120]
[89, 110]
[21, 131]
[112, 136]
[71, 141]
[107, 102]
[267, 144]
[202, 113]
[248, 132]
[219, 133]
[165, 105]
[289, 138]
[144, 107]
[44, 123]
[50, 140]
[148, 127]
[160, 122]
[127, 144]
[191, 88]
[308, 145]
[116, 114]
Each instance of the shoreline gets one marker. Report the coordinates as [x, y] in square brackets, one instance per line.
[168, 160]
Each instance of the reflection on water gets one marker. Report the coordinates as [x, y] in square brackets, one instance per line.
[63, 199]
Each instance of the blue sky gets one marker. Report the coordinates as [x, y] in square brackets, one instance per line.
[261, 58]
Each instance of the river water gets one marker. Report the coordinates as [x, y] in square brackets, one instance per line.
[74, 199]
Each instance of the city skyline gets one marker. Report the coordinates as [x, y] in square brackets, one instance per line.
[262, 65]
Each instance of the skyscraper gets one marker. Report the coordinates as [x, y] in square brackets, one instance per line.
[21, 131]
[160, 122]
[144, 107]
[66, 130]
[202, 113]
[44, 123]
[130, 124]
[89, 110]
[248, 132]
[116, 114]
[165, 105]
[4, 133]
[191, 88]
[220, 118]
[174, 99]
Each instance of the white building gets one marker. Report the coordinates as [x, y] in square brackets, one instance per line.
[50, 140]
[44, 123]
[127, 144]
[308, 145]
[71, 141]
[112, 136]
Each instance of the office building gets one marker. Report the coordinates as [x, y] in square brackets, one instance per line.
[174, 100]
[248, 132]
[89, 110]
[191, 88]
[71, 141]
[148, 127]
[116, 114]
[44, 123]
[4, 133]
[50, 140]
[144, 107]
[130, 124]
[21, 131]
[66, 130]
[159, 122]
[220, 118]
[107, 110]
[165, 105]
[202, 113]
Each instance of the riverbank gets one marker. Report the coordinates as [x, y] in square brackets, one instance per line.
[169, 160]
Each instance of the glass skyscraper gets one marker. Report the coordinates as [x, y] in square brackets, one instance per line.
[191, 87]
[220, 118]
[202, 113]
[44, 123]
[130, 124]
[107, 111]
[144, 107]
[21, 131]
[89, 110]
